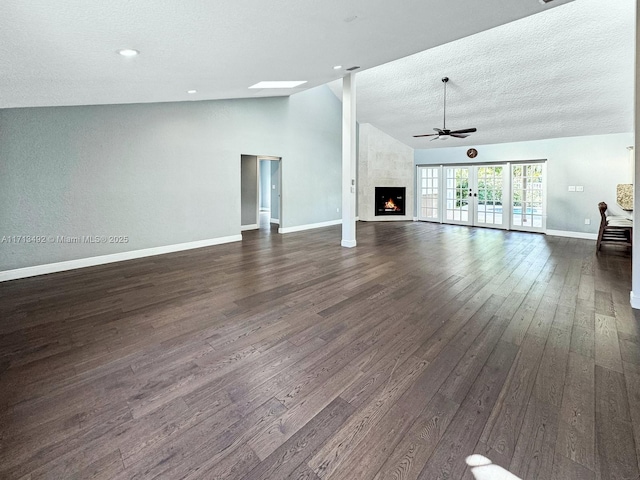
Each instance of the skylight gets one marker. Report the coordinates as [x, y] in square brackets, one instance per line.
[278, 84]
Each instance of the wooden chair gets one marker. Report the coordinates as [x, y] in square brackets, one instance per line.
[614, 228]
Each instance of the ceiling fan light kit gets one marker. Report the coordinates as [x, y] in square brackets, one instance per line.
[443, 133]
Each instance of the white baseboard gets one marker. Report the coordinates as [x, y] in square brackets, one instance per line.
[309, 226]
[253, 226]
[348, 243]
[566, 233]
[635, 300]
[415, 219]
[111, 258]
[357, 219]
[275, 220]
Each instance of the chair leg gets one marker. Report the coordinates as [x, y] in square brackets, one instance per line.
[599, 242]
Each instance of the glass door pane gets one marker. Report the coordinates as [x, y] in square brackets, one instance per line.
[490, 186]
[457, 196]
[527, 199]
[429, 197]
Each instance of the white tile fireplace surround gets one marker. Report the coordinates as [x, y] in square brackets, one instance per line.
[383, 161]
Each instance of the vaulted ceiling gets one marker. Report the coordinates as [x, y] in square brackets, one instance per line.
[519, 70]
[565, 72]
[64, 52]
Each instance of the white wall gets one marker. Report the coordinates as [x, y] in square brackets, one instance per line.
[265, 184]
[598, 163]
[275, 192]
[635, 265]
[158, 173]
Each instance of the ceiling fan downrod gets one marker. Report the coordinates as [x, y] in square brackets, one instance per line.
[444, 123]
[444, 133]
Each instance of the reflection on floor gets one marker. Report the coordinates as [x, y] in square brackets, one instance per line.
[483, 469]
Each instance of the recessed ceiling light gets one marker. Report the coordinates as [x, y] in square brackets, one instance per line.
[192, 91]
[128, 52]
[278, 84]
[337, 67]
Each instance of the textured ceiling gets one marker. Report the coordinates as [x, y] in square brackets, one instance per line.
[566, 72]
[63, 52]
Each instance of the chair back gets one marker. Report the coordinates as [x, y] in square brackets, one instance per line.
[603, 208]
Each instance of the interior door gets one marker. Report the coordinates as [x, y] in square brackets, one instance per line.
[458, 195]
[429, 196]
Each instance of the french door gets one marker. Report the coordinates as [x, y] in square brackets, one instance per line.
[494, 195]
[429, 194]
[491, 204]
[528, 199]
[458, 195]
[474, 195]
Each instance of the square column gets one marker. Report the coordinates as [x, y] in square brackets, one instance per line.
[349, 160]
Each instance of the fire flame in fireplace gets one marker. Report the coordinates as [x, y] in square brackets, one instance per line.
[390, 206]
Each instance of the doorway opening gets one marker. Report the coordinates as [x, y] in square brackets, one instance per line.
[261, 198]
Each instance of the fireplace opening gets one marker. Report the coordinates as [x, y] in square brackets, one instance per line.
[390, 200]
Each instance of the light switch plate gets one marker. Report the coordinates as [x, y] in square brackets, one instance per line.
[579, 188]
[572, 188]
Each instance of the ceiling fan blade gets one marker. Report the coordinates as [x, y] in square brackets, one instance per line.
[436, 138]
[439, 131]
[427, 135]
[465, 130]
[459, 135]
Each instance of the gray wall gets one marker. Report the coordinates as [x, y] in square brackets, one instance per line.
[249, 189]
[596, 162]
[275, 192]
[265, 185]
[158, 172]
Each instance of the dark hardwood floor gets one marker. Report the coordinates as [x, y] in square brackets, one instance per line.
[289, 357]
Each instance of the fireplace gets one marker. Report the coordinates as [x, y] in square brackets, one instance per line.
[390, 200]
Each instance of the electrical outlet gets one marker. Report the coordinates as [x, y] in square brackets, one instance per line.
[572, 188]
[587, 221]
[579, 188]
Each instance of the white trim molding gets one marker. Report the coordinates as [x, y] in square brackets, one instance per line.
[348, 243]
[635, 300]
[566, 233]
[111, 258]
[253, 226]
[309, 226]
[274, 220]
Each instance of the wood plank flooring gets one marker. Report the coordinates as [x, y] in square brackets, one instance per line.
[289, 357]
